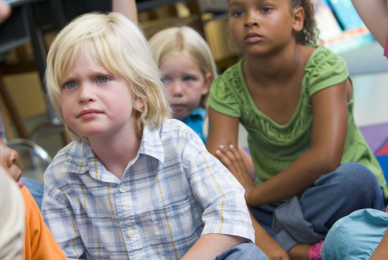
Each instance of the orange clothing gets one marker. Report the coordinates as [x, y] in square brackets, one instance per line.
[39, 243]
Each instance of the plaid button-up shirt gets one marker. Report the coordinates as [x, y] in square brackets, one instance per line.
[172, 192]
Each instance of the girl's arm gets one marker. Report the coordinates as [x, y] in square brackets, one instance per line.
[222, 130]
[330, 113]
[381, 251]
[127, 8]
[374, 13]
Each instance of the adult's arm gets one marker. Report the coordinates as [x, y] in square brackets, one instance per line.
[127, 8]
[374, 14]
[5, 10]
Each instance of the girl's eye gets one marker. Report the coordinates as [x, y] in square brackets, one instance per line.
[102, 80]
[70, 85]
[236, 13]
[165, 80]
[266, 9]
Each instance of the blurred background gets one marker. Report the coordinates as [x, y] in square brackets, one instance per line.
[26, 36]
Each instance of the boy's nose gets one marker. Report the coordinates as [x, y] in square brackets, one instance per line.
[86, 94]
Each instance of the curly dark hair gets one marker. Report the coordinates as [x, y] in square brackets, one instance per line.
[310, 33]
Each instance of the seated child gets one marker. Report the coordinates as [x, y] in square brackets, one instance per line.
[38, 241]
[187, 65]
[133, 184]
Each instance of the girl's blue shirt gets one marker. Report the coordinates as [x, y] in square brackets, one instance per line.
[195, 121]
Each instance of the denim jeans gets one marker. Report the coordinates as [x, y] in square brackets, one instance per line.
[306, 219]
[36, 189]
[243, 251]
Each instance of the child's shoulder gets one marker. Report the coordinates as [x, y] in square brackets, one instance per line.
[173, 128]
[67, 156]
[175, 131]
[320, 56]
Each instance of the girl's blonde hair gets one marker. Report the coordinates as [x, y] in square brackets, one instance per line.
[118, 45]
[184, 41]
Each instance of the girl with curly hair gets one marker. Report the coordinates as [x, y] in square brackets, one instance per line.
[296, 101]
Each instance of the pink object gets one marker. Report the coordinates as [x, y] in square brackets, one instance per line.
[386, 49]
[315, 251]
[386, 209]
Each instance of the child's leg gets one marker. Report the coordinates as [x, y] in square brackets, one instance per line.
[355, 236]
[307, 219]
[243, 251]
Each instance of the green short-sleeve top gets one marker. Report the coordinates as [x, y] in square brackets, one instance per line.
[274, 147]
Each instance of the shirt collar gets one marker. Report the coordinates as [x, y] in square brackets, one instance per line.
[80, 156]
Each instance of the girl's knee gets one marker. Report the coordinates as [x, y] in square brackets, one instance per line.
[356, 176]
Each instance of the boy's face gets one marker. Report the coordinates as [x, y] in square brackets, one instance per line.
[95, 103]
[184, 83]
[8, 159]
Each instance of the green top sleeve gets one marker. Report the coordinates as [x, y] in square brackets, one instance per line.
[326, 69]
[223, 97]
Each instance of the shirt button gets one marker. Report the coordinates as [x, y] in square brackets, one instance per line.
[122, 189]
[131, 233]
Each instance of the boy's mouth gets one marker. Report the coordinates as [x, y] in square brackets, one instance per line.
[88, 113]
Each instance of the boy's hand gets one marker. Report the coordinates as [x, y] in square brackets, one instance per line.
[231, 158]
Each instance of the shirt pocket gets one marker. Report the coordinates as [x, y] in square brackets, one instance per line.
[177, 227]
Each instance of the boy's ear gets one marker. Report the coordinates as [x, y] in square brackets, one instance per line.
[299, 15]
[138, 103]
[208, 81]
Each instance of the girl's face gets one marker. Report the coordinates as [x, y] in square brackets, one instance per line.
[262, 26]
[185, 84]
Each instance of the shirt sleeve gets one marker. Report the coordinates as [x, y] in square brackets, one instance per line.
[217, 192]
[325, 69]
[39, 242]
[58, 215]
[223, 98]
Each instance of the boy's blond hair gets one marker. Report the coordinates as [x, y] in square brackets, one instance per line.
[118, 45]
[185, 41]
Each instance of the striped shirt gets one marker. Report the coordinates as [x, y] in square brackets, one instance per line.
[172, 192]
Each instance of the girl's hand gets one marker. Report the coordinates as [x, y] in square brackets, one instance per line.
[232, 159]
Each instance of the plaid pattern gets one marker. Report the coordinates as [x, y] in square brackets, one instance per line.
[172, 192]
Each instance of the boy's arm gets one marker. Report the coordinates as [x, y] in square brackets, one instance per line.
[220, 196]
[209, 246]
[127, 8]
[232, 159]
[59, 218]
[374, 14]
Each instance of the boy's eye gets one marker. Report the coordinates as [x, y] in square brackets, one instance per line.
[165, 79]
[236, 13]
[266, 9]
[102, 80]
[188, 78]
[70, 85]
